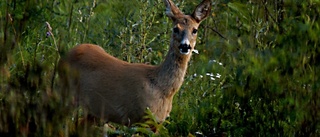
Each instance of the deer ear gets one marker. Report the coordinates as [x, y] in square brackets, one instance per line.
[171, 9]
[202, 10]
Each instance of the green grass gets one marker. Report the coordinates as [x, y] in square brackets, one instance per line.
[256, 74]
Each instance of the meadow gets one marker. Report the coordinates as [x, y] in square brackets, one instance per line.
[255, 72]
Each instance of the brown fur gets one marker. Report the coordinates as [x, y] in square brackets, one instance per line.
[120, 92]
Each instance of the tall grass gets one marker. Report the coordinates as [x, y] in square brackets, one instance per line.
[256, 73]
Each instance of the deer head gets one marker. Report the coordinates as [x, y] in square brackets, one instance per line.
[186, 26]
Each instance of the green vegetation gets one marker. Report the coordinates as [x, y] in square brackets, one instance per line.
[256, 74]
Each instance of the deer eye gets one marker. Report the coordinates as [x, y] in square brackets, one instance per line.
[175, 30]
[194, 31]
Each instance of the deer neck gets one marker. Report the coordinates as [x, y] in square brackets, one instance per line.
[170, 74]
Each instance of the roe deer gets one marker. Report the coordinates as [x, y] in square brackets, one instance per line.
[118, 91]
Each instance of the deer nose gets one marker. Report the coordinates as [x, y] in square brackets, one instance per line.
[184, 48]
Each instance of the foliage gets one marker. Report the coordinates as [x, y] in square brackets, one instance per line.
[256, 74]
